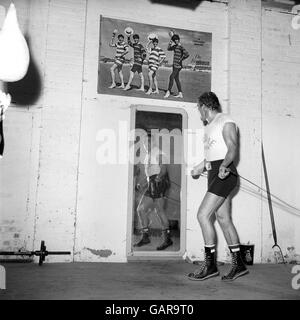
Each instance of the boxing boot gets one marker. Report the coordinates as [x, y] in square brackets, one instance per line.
[238, 267]
[144, 239]
[208, 268]
[166, 240]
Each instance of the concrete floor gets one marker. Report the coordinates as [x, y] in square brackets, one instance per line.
[159, 280]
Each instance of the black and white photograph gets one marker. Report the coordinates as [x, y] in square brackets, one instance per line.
[149, 155]
[143, 60]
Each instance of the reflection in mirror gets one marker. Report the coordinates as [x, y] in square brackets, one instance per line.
[157, 182]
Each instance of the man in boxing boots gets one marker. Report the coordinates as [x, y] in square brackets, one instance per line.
[220, 150]
[154, 195]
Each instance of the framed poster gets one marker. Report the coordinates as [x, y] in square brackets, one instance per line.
[156, 62]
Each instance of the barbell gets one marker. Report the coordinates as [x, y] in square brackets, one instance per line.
[42, 253]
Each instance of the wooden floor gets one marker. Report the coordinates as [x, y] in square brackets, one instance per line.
[159, 280]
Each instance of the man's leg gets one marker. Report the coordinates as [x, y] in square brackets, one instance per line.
[209, 205]
[129, 81]
[142, 211]
[142, 82]
[223, 215]
[166, 235]
[150, 82]
[171, 82]
[155, 83]
[178, 84]
[113, 77]
[121, 78]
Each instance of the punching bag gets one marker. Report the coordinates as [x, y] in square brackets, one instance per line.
[14, 59]
[14, 53]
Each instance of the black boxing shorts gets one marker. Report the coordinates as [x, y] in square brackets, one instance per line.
[157, 187]
[221, 187]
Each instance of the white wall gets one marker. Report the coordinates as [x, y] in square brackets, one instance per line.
[102, 202]
[47, 187]
[245, 104]
[280, 128]
[18, 168]
[52, 187]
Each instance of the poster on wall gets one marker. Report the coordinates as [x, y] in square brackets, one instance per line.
[156, 62]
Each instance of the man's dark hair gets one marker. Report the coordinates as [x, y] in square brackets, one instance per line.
[120, 36]
[175, 37]
[155, 40]
[135, 36]
[210, 100]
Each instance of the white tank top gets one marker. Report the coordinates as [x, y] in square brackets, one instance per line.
[214, 145]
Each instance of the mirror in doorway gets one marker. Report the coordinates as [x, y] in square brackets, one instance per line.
[157, 181]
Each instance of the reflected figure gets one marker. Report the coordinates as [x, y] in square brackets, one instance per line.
[153, 193]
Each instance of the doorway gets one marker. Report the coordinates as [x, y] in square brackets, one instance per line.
[164, 127]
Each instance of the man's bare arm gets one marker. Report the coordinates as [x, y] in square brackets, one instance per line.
[231, 140]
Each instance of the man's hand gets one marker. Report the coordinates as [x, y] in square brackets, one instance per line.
[114, 33]
[198, 169]
[171, 33]
[223, 172]
[195, 174]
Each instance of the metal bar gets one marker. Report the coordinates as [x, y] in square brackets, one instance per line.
[36, 253]
[58, 252]
[269, 196]
[16, 253]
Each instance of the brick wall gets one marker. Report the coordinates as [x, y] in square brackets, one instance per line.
[52, 188]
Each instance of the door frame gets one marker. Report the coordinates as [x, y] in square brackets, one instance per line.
[146, 255]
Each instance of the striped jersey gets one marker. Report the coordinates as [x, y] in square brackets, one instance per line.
[180, 54]
[156, 54]
[139, 52]
[121, 48]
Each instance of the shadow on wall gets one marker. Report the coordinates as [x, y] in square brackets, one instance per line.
[188, 4]
[27, 90]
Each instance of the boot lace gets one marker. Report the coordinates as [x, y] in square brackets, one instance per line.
[202, 267]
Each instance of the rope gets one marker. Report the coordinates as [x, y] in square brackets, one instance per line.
[269, 202]
[294, 210]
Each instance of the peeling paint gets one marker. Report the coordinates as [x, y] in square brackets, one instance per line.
[101, 253]
[291, 256]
